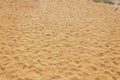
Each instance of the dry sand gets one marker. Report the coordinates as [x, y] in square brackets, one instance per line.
[59, 40]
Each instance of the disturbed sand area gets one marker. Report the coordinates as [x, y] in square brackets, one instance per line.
[59, 40]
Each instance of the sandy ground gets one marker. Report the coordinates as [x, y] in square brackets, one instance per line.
[59, 40]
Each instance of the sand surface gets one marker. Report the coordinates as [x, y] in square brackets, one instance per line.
[59, 40]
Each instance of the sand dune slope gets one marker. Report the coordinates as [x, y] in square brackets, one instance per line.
[59, 40]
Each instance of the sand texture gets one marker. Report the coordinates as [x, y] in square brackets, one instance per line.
[59, 40]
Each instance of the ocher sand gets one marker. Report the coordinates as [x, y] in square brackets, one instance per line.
[59, 40]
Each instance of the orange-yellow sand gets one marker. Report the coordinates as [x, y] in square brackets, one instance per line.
[59, 40]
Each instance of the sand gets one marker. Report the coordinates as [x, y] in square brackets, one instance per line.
[59, 40]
